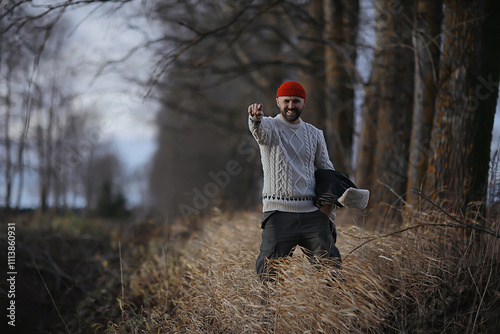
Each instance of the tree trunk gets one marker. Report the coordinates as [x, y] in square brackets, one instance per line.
[42, 158]
[465, 105]
[341, 26]
[365, 177]
[314, 79]
[8, 173]
[383, 158]
[426, 43]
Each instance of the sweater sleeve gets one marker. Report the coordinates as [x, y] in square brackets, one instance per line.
[322, 160]
[261, 129]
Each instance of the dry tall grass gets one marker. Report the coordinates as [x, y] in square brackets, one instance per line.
[433, 277]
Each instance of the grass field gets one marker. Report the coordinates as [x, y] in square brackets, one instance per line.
[432, 274]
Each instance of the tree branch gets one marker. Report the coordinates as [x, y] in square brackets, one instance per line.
[476, 227]
[455, 224]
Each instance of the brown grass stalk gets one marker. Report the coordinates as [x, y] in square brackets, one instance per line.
[432, 275]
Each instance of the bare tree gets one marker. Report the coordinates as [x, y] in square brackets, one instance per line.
[426, 44]
[385, 134]
[465, 104]
[314, 51]
[341, 26]
[17, 54]
[8, 64]
[37, 99]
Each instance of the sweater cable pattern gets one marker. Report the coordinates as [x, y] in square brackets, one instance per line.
[290, 153]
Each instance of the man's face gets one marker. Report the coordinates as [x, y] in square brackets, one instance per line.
[291, 107]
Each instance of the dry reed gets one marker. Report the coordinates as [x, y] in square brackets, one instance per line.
[430, 277]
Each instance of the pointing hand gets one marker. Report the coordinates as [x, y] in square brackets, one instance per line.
[255, 110]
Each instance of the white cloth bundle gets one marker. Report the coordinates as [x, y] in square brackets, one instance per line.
[355, 198]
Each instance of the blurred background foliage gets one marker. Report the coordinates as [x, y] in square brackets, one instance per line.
[405, 91]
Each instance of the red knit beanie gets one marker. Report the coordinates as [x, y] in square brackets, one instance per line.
[291, 88]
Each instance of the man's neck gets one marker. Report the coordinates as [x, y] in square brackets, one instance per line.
[297, 121]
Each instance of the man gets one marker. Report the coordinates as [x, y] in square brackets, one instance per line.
[291, 150]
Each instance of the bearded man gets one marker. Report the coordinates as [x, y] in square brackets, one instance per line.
[291, 151]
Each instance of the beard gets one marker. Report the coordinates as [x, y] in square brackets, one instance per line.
[291, 114]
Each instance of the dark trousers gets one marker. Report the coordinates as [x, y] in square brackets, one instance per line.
[282, 231]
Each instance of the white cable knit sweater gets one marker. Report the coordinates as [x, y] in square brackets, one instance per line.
[290, 154]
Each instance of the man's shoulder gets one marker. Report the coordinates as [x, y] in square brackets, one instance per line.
[312, 127]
